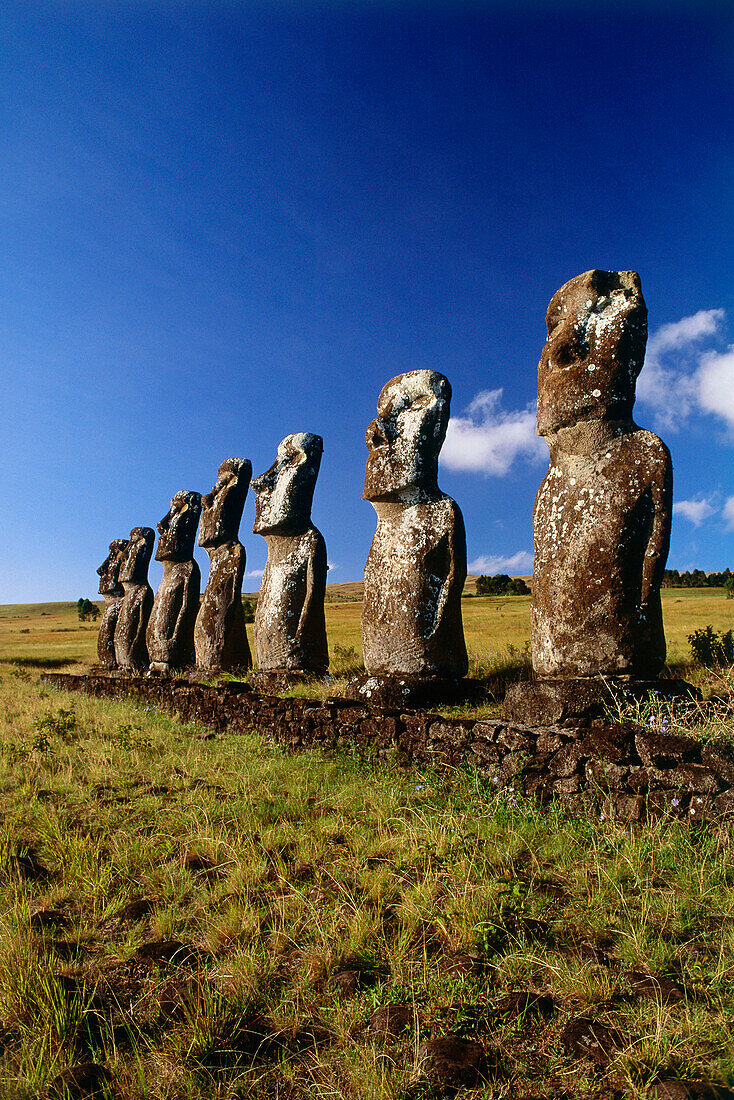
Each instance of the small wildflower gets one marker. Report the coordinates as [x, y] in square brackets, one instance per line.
[602, 816]
[495, 779]
[675, 802]
[419, 787]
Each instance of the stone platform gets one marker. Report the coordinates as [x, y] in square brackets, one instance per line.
[623, 771]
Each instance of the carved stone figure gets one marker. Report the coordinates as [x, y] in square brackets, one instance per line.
[415, 572]
[220, 638]
[601, 521]
[170, 633]
[290, 629]
[131, 651]
[112, 590]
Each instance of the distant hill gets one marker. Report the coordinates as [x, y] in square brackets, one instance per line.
[353, 591]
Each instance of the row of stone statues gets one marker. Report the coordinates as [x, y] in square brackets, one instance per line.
[178, 630]
[601, 528]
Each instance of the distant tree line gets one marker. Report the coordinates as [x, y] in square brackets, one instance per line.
[696, 578]
[501, 585]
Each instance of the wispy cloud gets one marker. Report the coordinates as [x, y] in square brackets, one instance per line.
[488, 439]
[255, 574]
[679, 378]
[489, 564]
[728, 513]
[696, 511]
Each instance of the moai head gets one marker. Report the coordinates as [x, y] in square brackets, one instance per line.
[597, 331]
[136, 558]
[285, 491]
[222, 507]
[405, 439]
[109, 584]
[177, 529]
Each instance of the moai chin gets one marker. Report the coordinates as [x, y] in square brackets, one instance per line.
[220, 638]
[131, 651]
[290, 629]
[112, 590]
[416, 568]
[170, 633]
[601, 521]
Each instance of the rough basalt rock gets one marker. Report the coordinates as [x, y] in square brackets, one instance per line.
[170, 633]
[601, 520]
[416, 568]
[220, 637]
[577, 702]
[290, 627]
[620, 771]
[112, 590]
[131, 651]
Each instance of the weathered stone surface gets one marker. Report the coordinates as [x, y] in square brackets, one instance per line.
[415, 572]
[597, 770]
[589, 1038]
[452, 1063]
[220, 638]
[602, 515]
[131, 652]
[170, 633]
[290, 628]
[112, 590]
[576, 702]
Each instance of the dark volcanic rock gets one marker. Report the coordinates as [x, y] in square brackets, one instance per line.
[131, 651]
[601, 520]
[416, 568]
[86, 1081]
[290, 628]
[112, 590]
[391, 1020]
[220, 638]
[589, 1038]
[170, 632]
[452, 1063]
[691, 1090]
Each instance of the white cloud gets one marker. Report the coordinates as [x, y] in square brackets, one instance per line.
[715, 384]
[670, 381]
[489, 564]
[728, 513]
[696, 511]
[489, 439]
[331, 565]
[255, 573]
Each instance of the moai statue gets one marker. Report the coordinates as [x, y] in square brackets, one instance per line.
[131, 651]
[601, 521]
[220, 638]
[415, 572]
[112, 590]
[170, 633]
[290, 629]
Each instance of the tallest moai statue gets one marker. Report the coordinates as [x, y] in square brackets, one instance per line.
[601, 522]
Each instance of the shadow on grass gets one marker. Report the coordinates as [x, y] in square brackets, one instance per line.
[41, 662]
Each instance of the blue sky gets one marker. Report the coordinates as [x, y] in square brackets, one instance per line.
[221, 223]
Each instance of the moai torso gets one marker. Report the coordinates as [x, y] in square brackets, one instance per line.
[220, 637]
[416, 568]
[170, 631]
[601, 521]
[290, 628]
[112, 590]
[413, 580]
[131, 651]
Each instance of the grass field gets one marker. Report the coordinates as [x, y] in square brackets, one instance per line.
[50, 635]
[186, 916]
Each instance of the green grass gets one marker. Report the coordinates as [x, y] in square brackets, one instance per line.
[176, 907]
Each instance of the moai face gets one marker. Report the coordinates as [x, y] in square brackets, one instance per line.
[285, 491]
[136, 559]
[597, 331]
[405, 439]
[222, 507]
[109, 570]
[177, 529]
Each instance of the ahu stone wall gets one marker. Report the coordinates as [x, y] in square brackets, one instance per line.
[621, 770]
